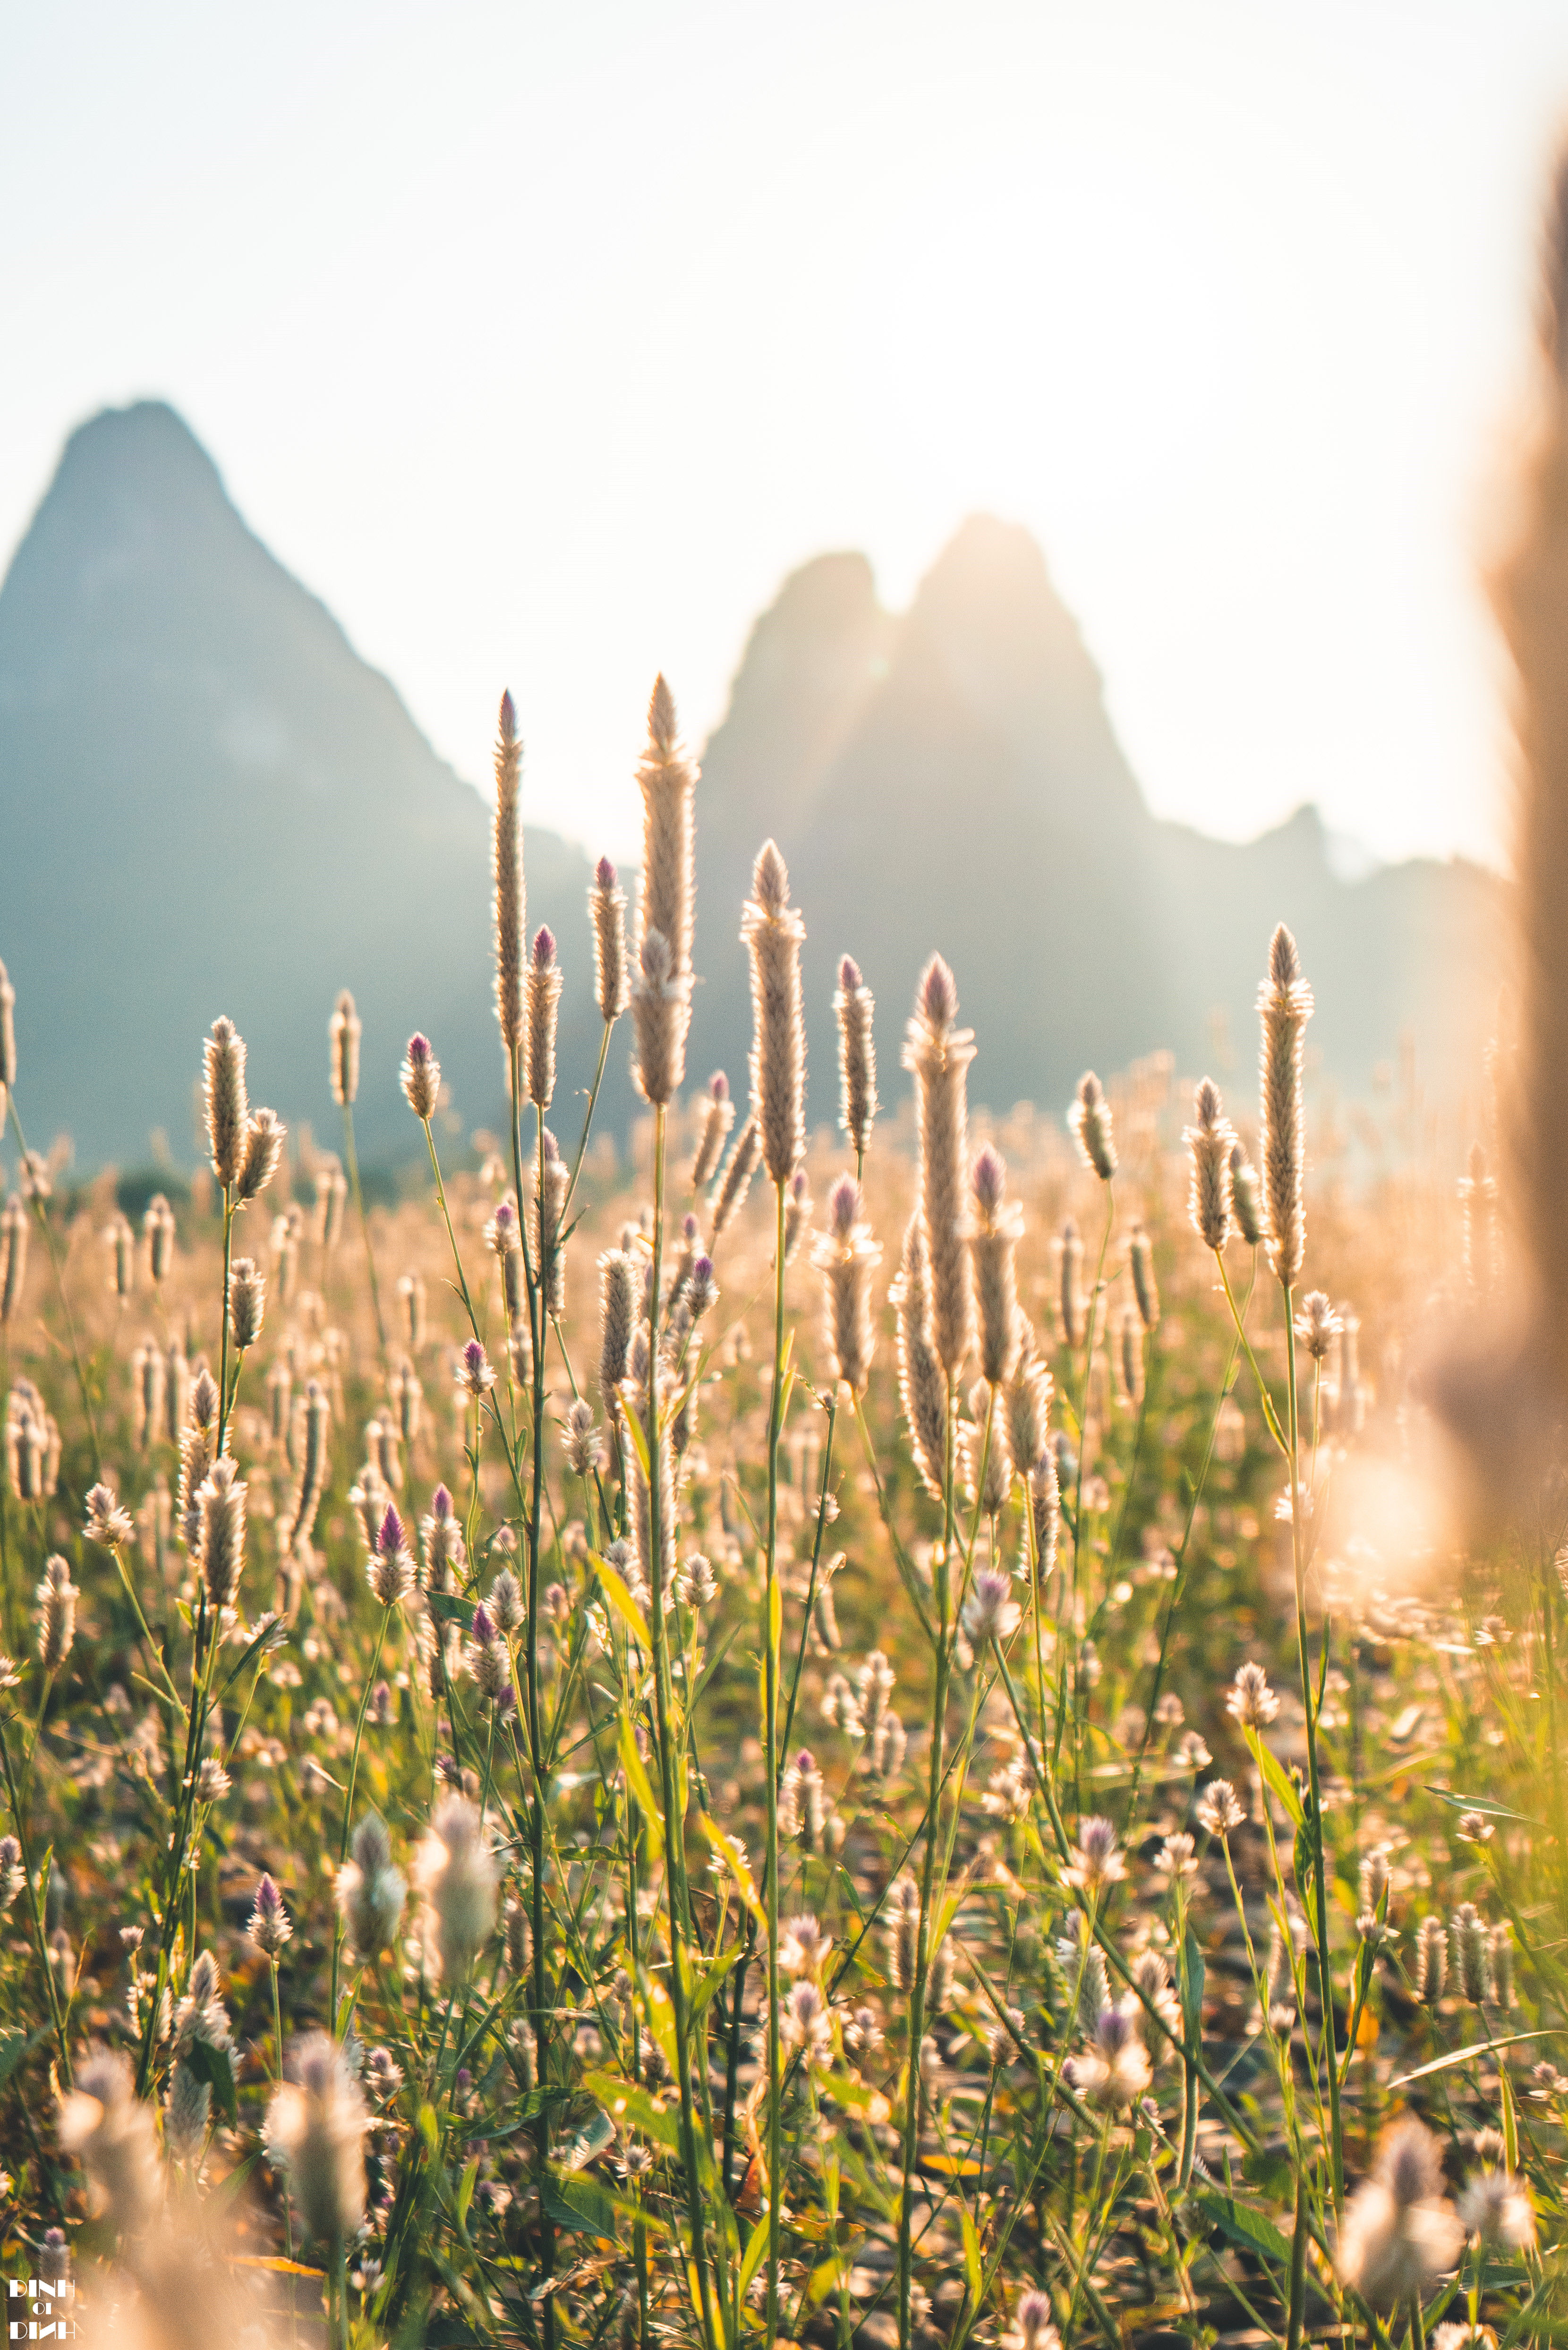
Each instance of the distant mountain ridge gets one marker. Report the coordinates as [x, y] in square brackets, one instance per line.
[958, 785]
[211, 804]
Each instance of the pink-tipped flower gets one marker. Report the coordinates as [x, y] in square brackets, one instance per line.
[474, 1374]
[543, 1003]
[1090, 1120]
[1284, 1007]
[938, 1055]
[421, 1078]
[846, 1256]
[1096, 1859]
[717, 1118]
[270, 1926]
[855, 1007]
[996, 1228]
[606, 906]
[390, 1569]
[774, 933]
[990, 1612]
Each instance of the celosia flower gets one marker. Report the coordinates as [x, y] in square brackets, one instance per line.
[1400, 2232]
[1250, 1702]
[1219, 1809]
[315, 2131]
[1096, 1861]
[990, 1612]
[457, 1874]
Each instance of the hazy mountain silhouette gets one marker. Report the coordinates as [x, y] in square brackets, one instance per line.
[212, 803]
[957, 784]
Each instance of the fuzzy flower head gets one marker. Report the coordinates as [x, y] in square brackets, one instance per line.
[1317, 1326]
[270, 1926]
[421, 1078]
[1114, 2069]
[1090, 1120]
[1219, 1812]
[314, 2132]
[804, 1947]
[990, 1612]
[1251, 1702]
[486, 1657]
[1401, 2232]
[474, 1374]
[1031, 2325]
[111, 2132]
[390, 1569]
[1096, 1860]
[1496, 2207]
[806, 2024]
[457, 1874]
[107, 1523]
[1209, 1140]
[370, 1891]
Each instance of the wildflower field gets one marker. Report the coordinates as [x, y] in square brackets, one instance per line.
[889, 1728]
[815, 1748]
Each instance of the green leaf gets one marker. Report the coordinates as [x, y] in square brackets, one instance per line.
[971, 2253]
[621, 1600]
[634, 1430]
[630, 2107]
[466, 2186]
[1463, 2055]
[734, 1859]
[448, 1608]
[1192, 1977]
[16, 2044]
[583, 2203]
[756, 2245]
[638, 1780]
[1245, 2226]
[1479, 1804]
[1278, 1779]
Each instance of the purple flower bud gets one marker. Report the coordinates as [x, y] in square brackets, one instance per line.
[484, 1630]
[939, 996]
[849, 975]
[545, 947]
[389, 1541]
[551, 1148]
[690, 1228]
[508, 717]
[719, 1085]
[843, 1202]
[419, 1050]
[990, 1175]
[441, 1503]
[604, 873]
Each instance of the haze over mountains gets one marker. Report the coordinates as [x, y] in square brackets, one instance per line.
[212, 803]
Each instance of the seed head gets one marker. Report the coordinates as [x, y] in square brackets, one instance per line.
[247, 1302]
[56, 1596]
[1431, 1960]
[1496, 2207]
[989, 1612]
[227, 1108]
[270, 1926]
[390, 1570]
[668, 781]
[1090, 1120]
[113, 2136]
[717, 1118]
[315, 2126]
[660, 1016]
[846, 1256]
[584, 1447]
[996, 1226]
[1467, 1941]
[1219, 1809]
[1096, 1860]
[1317, 1326]
[505, 1604]
[344, 1030]
[510, 892]
[544, 1003]
[1284, 1007]
[855, 1007]
[107, 1523]
[421, 1080]
[475, 1375]
[606, 906]
[220, 1507]
[457, 1874]
[369, 1891]
[1400, 2232]
[1250, 1702]
[939, 1056]
[772, 932]
[1211, 1139]
[263, 1148]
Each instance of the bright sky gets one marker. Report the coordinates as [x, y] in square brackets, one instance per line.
[541, 340]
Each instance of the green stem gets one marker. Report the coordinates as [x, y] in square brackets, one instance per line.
[41, 1212]
[771, 1613]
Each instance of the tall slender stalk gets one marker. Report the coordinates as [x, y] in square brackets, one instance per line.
[1319, 1873]
[771, 1614]
[917, 2022]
